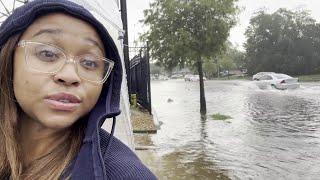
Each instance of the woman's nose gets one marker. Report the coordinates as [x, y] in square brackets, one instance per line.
[67, 75]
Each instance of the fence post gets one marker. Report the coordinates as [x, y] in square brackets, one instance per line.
[149, 79]
[140, 78]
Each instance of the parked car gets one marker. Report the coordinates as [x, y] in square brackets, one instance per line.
[163, 77]
[190, 77]
[277, 81]
[259, 75]
[224, 73]
[159, 77]
[176, 76]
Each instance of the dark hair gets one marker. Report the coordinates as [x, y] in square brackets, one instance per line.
[50, 166]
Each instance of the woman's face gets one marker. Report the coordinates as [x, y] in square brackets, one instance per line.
[56, 101]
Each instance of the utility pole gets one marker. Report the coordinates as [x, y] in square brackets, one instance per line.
[124, 17]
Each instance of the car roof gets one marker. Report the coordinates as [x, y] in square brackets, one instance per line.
[265, 72]
[277, 75]
[282, 76]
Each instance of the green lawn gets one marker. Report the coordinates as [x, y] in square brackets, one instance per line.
[309, 78]
[234, 78]
[304, 78]
[221, 117]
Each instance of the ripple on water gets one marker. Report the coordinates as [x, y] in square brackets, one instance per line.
[273, 134]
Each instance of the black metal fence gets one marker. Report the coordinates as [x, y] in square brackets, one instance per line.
[140, 79]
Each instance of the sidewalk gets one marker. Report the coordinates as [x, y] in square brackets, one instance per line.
[142, 121]
[128, 129]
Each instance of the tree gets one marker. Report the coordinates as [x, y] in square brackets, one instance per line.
[231, 58]
[227, 63]
[154, 69]
[184, 32]
[237, 57]
[284, 41]
[209, 68]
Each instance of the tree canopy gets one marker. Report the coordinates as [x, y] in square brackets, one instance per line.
[184, 32]
[181, 31]
[284, 41]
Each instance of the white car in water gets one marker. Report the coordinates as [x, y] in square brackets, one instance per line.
[259, 75]
[190, 77]
[277, 81]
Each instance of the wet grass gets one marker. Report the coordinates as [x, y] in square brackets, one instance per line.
[233, 78]
[220, 117]
[309, 78]
[304, 78]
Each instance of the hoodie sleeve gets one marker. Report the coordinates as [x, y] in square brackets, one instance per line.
[121, 163]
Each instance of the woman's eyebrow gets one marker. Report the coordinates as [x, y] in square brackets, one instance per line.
[94, 42]
[48, 31]
[59, 31]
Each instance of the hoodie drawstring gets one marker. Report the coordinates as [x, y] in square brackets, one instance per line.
[112, 132]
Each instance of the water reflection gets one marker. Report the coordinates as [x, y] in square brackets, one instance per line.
[273, 134]
[189, 162]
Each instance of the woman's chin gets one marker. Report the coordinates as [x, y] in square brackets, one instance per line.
[57, 122]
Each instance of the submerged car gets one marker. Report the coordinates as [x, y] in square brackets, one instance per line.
[259, 75]
[190, 77]
[176, 76]
[277, 81]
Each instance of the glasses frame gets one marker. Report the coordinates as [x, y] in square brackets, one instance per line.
[69, 59]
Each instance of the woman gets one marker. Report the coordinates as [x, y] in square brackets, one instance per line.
[60, 79]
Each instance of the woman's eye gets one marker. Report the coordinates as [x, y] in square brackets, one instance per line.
[89, 64]
[47, 55]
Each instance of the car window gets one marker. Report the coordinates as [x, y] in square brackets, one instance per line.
[281, 76]
[266, 77]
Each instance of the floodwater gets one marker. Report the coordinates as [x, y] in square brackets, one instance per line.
[273, 134]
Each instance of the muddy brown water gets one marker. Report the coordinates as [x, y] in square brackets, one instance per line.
[272, 134]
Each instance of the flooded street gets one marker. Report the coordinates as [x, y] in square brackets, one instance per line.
[272, 134]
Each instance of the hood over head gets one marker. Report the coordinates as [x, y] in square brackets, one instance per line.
[109, 100]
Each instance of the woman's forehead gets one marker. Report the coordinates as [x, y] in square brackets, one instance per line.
[60, 24]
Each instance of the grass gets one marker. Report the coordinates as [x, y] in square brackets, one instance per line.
[304, 78]
[309, 78]
[233, 78]
[221, 117]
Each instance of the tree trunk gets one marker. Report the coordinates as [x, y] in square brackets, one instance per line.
[218, 68]
[203, 106]
[228, 74]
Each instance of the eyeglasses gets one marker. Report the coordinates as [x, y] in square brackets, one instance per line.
[50, 59]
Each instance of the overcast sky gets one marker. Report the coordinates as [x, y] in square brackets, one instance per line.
[136, 7]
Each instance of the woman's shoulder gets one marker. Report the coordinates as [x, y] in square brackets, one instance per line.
[120, 161]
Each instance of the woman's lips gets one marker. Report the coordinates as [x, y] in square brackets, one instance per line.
[57, 105]
[63, 101]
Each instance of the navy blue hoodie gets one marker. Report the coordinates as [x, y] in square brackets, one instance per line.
[101, 156]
